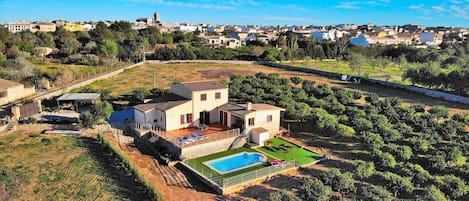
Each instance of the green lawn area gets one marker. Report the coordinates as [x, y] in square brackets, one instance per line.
[197, 163]
[284, 150]
[391, 72]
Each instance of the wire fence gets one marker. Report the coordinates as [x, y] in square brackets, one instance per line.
[203, 170]
[241, 178]
[249, 176]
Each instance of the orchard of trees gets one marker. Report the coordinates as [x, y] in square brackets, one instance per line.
[416, 153]
[445, 68]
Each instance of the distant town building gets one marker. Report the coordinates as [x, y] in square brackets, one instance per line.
[19, 26]
[430, 38]
[46, 27]
[12, 91]
[156, 18]
[221, 41]
[69, 26]
[327, 35]
[186, 28]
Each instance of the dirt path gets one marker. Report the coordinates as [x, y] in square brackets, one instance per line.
[150, 170]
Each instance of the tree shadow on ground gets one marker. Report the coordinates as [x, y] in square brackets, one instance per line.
[256, 192]
[128, 187]
[196, 183]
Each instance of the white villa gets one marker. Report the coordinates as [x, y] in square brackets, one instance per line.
[205, 103]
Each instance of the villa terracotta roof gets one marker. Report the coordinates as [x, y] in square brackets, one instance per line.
[235, 109]
[241, 109]
[204, 85]
[262, 106]
[5, 84]
[259, 130]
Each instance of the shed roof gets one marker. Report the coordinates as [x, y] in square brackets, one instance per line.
[263, 106]
[236, 109]
[79, 97]
[5, 84]
[163, 103]
[241, 109]
[259, 130]
[204, 85]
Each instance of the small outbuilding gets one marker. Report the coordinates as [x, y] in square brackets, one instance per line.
[259, 135]
[79, 99]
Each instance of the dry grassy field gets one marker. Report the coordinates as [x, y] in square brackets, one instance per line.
[35, 166]
[165, 74]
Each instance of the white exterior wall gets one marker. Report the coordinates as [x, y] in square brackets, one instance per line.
[173, 116]
[209, 105]
[140, 117]
[246, 122]
[260, 138]
[261, 120]
[161, 119]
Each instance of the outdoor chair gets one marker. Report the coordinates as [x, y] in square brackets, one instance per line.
[179, 140]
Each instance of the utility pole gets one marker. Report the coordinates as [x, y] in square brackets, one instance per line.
[143, 53]
[154, 76]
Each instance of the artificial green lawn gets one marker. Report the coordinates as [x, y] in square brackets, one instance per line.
[201, 168]
[289, 152]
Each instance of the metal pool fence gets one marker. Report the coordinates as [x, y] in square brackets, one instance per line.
[241, 178]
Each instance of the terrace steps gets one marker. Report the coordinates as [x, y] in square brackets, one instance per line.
[173, 176]
[12, 125]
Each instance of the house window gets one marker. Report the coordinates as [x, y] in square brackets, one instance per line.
[251, 121]
[189, 118]
[186, 118]
[182, 119]
[203, 97]
[217, 95]
[269, 118]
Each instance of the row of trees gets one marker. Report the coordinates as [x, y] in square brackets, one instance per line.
[431, 76]
[408, 147]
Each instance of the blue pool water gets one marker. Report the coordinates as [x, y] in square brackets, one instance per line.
[235, 162]
[121, 116]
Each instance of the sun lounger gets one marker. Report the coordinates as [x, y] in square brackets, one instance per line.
[190, 139]
[179, 140]
[200, 136]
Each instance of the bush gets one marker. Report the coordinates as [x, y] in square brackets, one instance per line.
[453, 186]
[376, 193]
[314, 189]
[46, 141]
[363, 169]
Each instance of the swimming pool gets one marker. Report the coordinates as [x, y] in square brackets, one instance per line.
[235, 162]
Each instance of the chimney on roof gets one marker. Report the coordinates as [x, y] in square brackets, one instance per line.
[249, 106]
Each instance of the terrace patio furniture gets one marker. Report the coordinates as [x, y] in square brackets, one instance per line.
[193, 136]
[187, 140]
[200, 136]
[203, 127]
[190, 138]
[179, 140]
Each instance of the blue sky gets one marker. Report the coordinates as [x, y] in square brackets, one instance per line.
[258, 12]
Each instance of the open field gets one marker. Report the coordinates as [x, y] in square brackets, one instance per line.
[71, 72]
[35, 166]
[391, 72]
[142, 76]
[284, 150]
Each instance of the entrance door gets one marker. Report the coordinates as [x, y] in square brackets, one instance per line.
[223, 118]
[204, 117]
